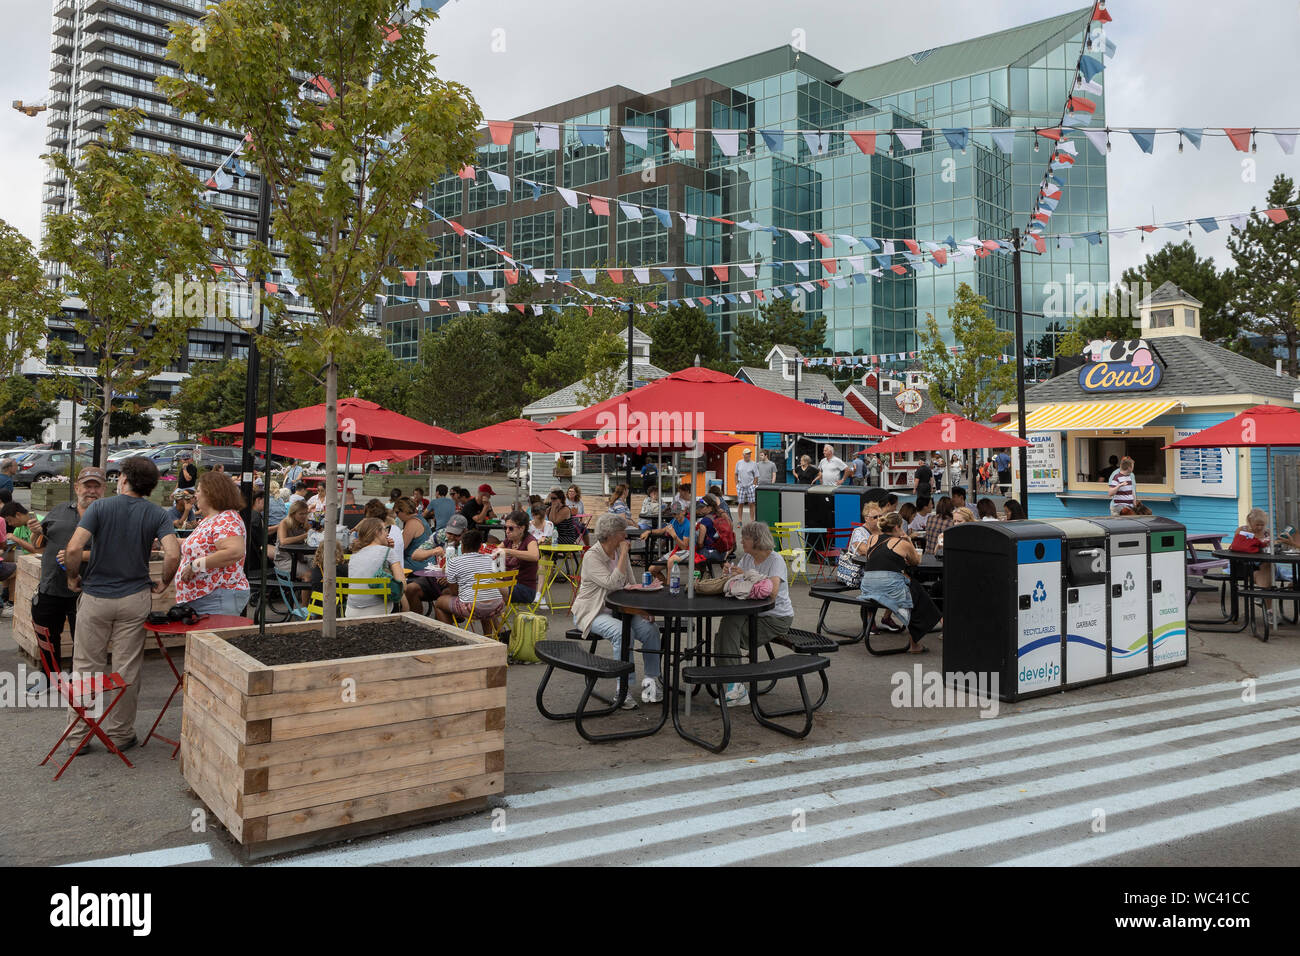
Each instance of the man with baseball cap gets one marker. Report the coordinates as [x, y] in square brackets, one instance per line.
[54, 603]
[479, 509]
[746, 483]
[443, 545]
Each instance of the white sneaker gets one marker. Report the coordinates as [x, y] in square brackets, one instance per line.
[652, 691]
[629, 702]
[737, 695]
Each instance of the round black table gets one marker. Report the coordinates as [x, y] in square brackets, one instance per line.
[674, 609]
[1238, 571]
[295, 551]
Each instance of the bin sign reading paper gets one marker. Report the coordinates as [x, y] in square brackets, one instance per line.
[1038, 641]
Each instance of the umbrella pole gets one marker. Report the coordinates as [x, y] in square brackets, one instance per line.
[266, 486]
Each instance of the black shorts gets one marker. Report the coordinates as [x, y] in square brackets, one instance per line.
[429, 587]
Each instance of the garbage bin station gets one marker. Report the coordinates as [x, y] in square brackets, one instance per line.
[1050, 605]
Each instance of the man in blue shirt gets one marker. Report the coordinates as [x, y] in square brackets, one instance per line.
[440, 509]
[1002, 462]
[8, 468]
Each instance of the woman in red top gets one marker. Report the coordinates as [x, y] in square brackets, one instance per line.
[211, 575]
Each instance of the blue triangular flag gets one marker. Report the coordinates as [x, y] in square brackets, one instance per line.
[1209, 225]
[695, 272]
[1193, 135]
[729, 297]
[669, 274]
[1146, 138]
[461, 276]
[484, 307]
[774, 138]
[589, 275]
[801, 268]
[885, 261]
[1004, 139]
[665, 217]
[1090, 66]
[487, 275]
[871, 244]
[1094, 238]
[859, 278]
[563, 275]
[957, 138]
[537, 187]
[952, 242]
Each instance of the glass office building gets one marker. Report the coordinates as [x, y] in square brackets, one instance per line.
[1019, 77]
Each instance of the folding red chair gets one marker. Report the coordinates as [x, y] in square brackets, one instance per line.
[828, 555]
[75, 694]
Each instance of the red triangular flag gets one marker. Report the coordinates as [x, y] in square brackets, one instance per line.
[1099, 12]
[1050, 133]
[391, 33]
[1042, 215]
[899, 269]
[941, 256]
[1240, 138]
[1277, 215]
[218, 269]
[456, 227]
[410, 277]
[519, 306]
[1080, 104]
[272, 287]
[589, 309]
[501, 131]
[599, 206]
[512, 276]
[682, 138]
[759, 293]
[866, 142]
[721, 272]
[616, 275]
[1147, 228]
[324, 85]
[704, 300]
[912, 247]
[444, 302]
[824, 283]
[1040, 242]
[823, 239]
[831, 266]
[1065, 158]
[467, 172]
[725, 222]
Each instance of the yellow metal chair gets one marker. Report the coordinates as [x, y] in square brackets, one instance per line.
[343, 588]
[500, 581]
[790, 546]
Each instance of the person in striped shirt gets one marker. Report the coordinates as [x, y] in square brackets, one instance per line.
[458, 595]
[1123, 486]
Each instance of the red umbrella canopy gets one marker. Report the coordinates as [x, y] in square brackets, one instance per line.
[607, 443]
[369, 426]
[307, 451]
[519, 434]
[672, 408]
[948, 431]
[1262, 426]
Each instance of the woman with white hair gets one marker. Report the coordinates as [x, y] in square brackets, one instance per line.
[605, 569]
[733, 632]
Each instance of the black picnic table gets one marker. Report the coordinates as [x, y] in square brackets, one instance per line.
[1239, 571]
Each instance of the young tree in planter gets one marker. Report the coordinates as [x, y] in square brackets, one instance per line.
[26, 300]
[971, 381]
[137, 221]
[347, 120]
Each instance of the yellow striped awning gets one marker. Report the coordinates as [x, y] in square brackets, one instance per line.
[1080, 415]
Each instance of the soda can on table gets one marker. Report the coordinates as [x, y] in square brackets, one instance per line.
[647, 579]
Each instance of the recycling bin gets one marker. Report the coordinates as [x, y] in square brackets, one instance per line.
[1002, 596]
[819, 507]
[768, 503]
[849, 501]
[1130, 605]
[1166, 546]
[1087, 638]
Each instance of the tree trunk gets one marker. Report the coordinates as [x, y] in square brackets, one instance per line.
[331, 495]
[105, 424]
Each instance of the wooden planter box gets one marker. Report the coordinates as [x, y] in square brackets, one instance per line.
[378, 486]
[47, 494]
[284, 762]
[28, 580]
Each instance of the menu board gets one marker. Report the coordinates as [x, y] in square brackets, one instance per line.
[1204, 472]
[1045, 460]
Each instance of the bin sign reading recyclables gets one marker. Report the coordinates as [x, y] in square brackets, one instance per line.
[1101, 377]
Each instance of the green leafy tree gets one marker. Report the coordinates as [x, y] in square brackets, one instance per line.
[346, 156]
[366, 369]
[1266, 277]
[778, 322]
[26, 300]
[138, 221]
[679, 334]
[212, 396]
[972, 381]
[465, 350]
[23, 413]
[126, 420]
[1179, 264]
[588, 345]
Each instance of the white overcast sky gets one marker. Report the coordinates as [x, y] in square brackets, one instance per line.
[1179, 63]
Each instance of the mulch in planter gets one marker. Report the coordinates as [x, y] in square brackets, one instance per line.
[359, 639]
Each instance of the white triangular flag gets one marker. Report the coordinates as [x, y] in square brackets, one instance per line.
[462, 305]
[635, 136]
[689, 222]
[1286, 139]
[1066, 146]
[744, 297]
[424, 305]
[857, 263]
[910, 138]
[630, 211]
[548, 135]
[499, 180]
[1239, 220]
[748, 270]
[1097, 137]
[799, 237]
[539, 275]
[887, 246]
[569, 196]
[641, 275]
[728, 141]
[537, 310]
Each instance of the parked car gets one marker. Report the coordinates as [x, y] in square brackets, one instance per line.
[39, 465]
[163, 456]
[370, 468]
[230, 457]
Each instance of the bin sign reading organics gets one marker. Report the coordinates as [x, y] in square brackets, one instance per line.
[1046, 468]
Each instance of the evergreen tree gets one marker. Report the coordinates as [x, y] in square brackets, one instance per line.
[778, 322]
[1266, 277]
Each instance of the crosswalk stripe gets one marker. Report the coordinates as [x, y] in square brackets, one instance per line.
[675, 829]
[1113, 843]
[751, 788]
[931, 810]
[605, 788]
[171, 856]
[1040, 823]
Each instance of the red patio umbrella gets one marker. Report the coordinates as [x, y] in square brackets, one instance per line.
[520, 434]
[677, 407]
[1264, 426]
[950, 431]
[607, 443]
